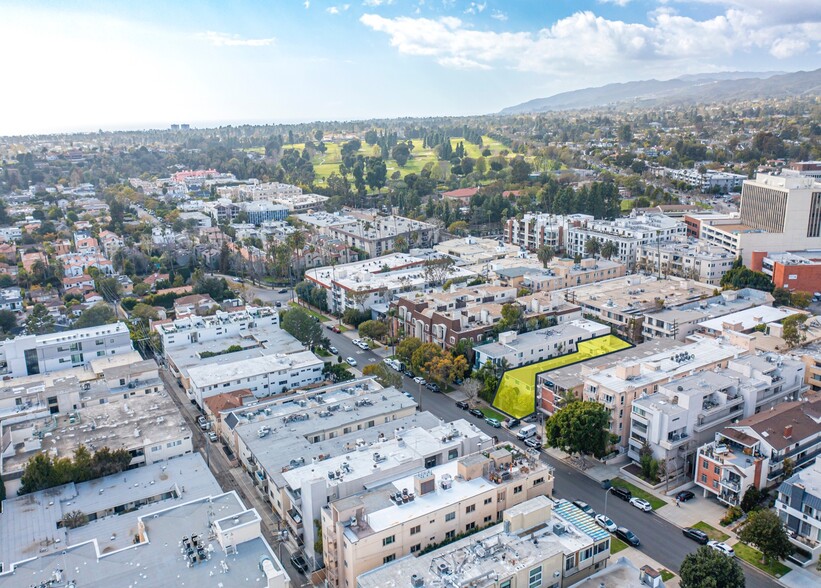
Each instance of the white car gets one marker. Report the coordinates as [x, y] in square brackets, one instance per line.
[419, 380]
[333, 350]
[350, 360]
[722, 547]
[606, 523]
[641, 504]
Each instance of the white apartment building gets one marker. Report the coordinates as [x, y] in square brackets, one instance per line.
[251, 321]
[259, 191]
[799, 507]
[698, 261]
[263, 376]
[37, 354]
[380, 525]
[628, 234]
[539, 543]
[536, 230]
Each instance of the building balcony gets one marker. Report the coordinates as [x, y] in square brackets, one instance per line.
[735, 487]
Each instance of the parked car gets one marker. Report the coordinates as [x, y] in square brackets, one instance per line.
[202, 421]
[333, 350]
[420, 380]
[299, 563]
[462, 404]
[282, 291]
[493, 423]
[513, 423]
[212, 436]
[533, 442]
[721, 547]
[627, 535]
[586, 508]
[408, 373]
[606, 523]
[641, 504]
[622, 493]
[477, 413]
[696, 535]
[433, 387]
[684, 496]
[350, 360]
[336, 329]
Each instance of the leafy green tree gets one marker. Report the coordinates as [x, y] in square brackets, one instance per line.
[338, 372]
[39, 322]
[580, 427]
[800, 299]
[355, 317]
[592, 246]
[401, 154]
[781, 296]
[707, 568]
[373, 329]
[407, 347]
[384, 375]
[751, 499]
[742, 277]
[8, 320]
[99, 314]
[301, 325]
[545, 254]
[792, 329]
[459, 227]
[109, 288]
[766, 531]
[216, 288]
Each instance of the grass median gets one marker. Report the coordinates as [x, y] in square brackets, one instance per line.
[711, 531]
[753, 557]
[616, 545]
[637, 492]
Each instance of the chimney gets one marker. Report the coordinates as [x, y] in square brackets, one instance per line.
[788, 432]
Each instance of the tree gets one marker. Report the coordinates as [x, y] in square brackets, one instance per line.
[800, 299]
[609, 249]
[8, 320]
[742, 277]
[592, 246]
[471, 388]
[301, 325]
[781, 296]
[407, 347]
[545, 254]
[707, 568]
[109, 288]
[792, 329]
[384, 375]
[649, 465]
[40, 322]
[99, 314]
[373, 329]
[338, 372]
[424, 354]
[751, 499]
[580, 427]
[459, 227]
[401, 154]
[445, 368]
[437, 270]
[766, 531]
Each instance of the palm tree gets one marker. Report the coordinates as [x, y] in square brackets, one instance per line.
[296, 242]
[609, 249]
[545, 254]
[592, 246]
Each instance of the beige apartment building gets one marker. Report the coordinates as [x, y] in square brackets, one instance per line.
[426, 508]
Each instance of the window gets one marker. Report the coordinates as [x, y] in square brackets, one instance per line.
[586, 554]
[704, 478]
[517, 489]
[488, 500]
[450, 516]
[388, 540]
[538, 481]
[569, 562]
[388, 558]
[453, 454]
[415, 548]
[505, 584]
[470, 526]
[416, 529]
[469, 509]
[487, 519]
[450, 534]
[715, 469]
[535, 578]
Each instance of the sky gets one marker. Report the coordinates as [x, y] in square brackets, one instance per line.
[87, 65]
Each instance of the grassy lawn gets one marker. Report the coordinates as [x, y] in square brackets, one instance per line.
[654, 501]
[616, 545]
[322, 353]
[471, 149]
[667, 575]
[492, 414]
[310, 311]
[711, 531]
[753, 557]
[492, 144]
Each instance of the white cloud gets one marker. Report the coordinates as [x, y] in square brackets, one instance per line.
[337, 9]
[616, 2]
[498, 15]
[585, 42]
[307, 4]
[376, 2]
[228, 40]
[476, 7]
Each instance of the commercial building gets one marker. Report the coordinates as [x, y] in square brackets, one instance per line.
[799, 507]
[425, 508]
[697, 261]
[756, 450]
[811, 169]
[539, 543]
[797, 271]
[263, 376]
[36, 354]
[166, 523]
[512, 349]
[260, 211]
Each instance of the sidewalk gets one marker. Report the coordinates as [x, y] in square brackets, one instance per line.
[639, 559]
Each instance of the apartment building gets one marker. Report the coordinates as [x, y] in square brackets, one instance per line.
[697, 261]
[264, 376]
[617, 387]
[473, 250]
[799, 507]
[36, 354]
[628, 234]
[797, 271]
[513, 349]
[746, 321]
[260, 211]
[371, 528]
[533, 231]
[688, 411]
[259, 191]
[539, 543]
[470, 313]
[755, 450]
[11, 299]
[250, 321]
[566, 273]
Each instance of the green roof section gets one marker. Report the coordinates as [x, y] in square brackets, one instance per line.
[516, 394]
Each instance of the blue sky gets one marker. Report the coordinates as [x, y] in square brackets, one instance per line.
[72, 65]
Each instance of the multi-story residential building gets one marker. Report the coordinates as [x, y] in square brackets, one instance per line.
[688, 411]
[565, 273]
[757, 450]
[223, 210]
[251, 321]
[77, 264]
[745, 321]
[11, 299]
[264, 376]
[260, 211]
[110, 242]
[616, 387]
[533, 231]
[628, 234]
[539, 543]
[698, 261]
[298, 203]
[512, 349]
[36, 354]
[197, 219]
[470, 313]
[362, 284]
[371, 528]
[797, 271]
[799, 507]
[259, 191]
[10, 234]
[708, 181]
[476, 250]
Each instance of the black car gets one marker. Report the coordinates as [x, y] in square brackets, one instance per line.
[584, 507]
[513, 423]
[299, 563]
[408, 373]
[626, 534]
[696, 535]
[283, 291]
[477, 413]
[622, 493]
[462, 404]
[684, 496]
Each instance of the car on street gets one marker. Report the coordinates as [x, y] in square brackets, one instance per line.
[493, 423]
[513, 423]
[684, 496]
[462, 404]
[622, 493]
[533, 442]
[606, 523]
[202, 421]
[333, 350]
[282, 291]
[586, 508]
[419, 380]
[696, 535]
[641, 504]
[433, 387]
[627, 535]
[408, 373]
[350, 360]
[408, 394]
[212, 436]
[721, 547]
[477, 413]
[336, 329]
[299, 563]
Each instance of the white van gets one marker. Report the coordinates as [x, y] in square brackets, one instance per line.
[526, 432]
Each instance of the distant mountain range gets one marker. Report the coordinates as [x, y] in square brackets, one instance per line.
[687, 89]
